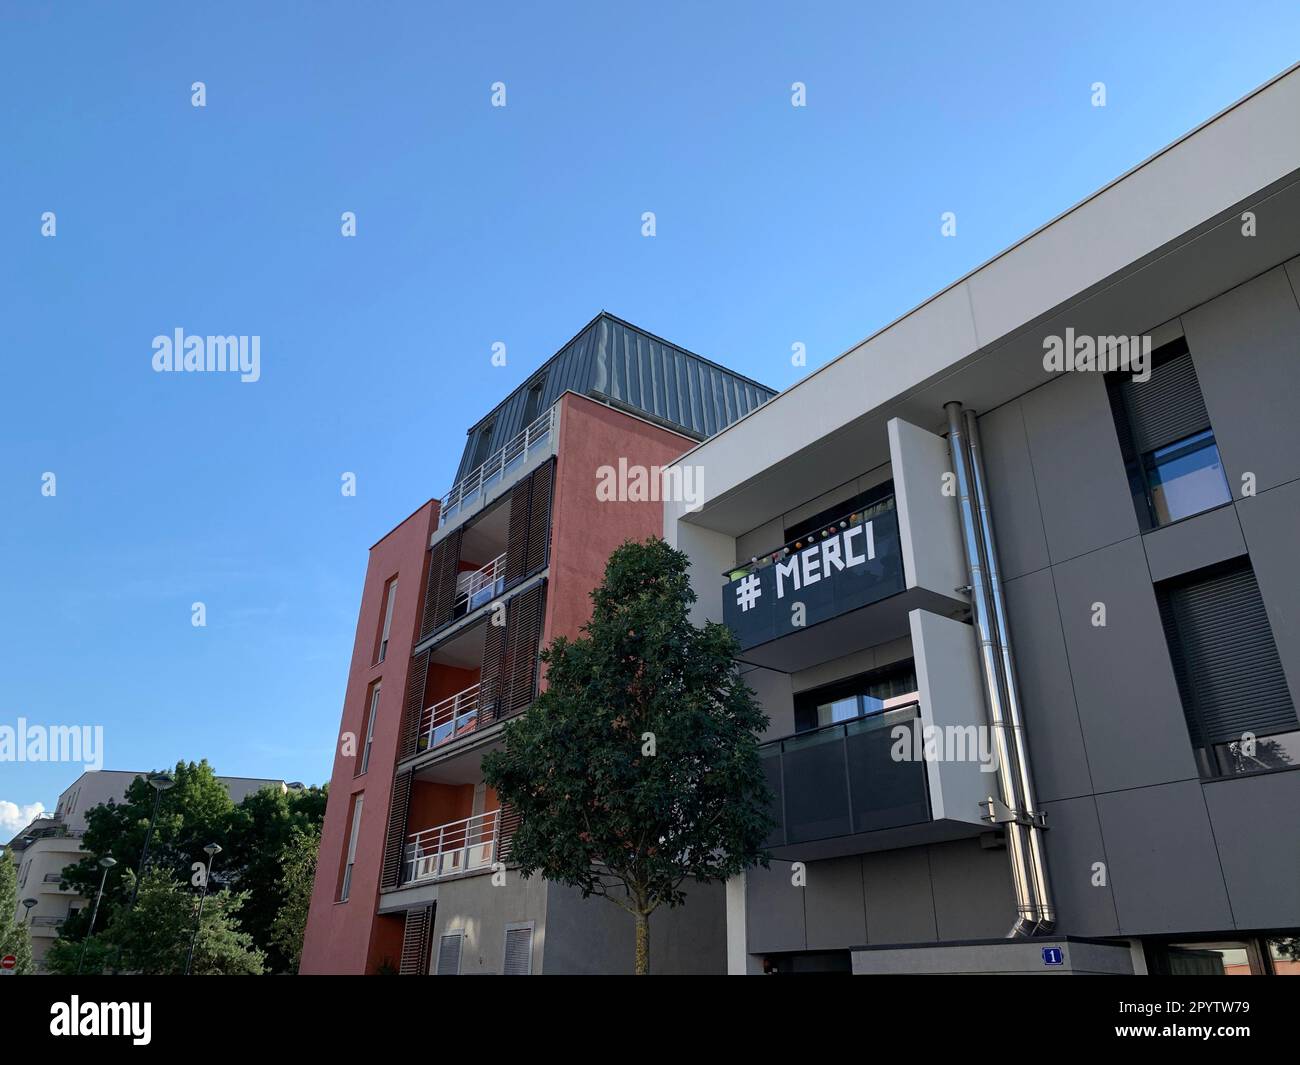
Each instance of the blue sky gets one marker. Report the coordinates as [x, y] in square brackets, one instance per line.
[475, 224]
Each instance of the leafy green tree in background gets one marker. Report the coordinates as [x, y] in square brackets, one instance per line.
[296, 883]
[13, 936]
[153, 937]
[637, 769]
[197, 810]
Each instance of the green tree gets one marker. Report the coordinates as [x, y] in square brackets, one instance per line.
[13, 936]
[637, 769]
[153, 937]
[296, 883]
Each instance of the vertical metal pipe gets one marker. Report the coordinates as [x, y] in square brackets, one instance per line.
[1015, 718]
[981, 604]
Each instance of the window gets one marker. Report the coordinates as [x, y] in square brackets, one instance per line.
[372, 712]
[345, 888]
[482, 443]
[1235, 697]
[22, 876]
[1252, 956]
[519, 950]
[1165, 437]
[862, 696]
[449, 950]
[869, 503]
[533, 402]
[390, 597]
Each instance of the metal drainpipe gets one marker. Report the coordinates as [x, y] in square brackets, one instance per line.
[1017, 844]
[1015, 719]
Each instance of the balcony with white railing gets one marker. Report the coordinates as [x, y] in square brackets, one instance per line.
[480, 484]
[446, 850]
[476, 587]
[449, 718]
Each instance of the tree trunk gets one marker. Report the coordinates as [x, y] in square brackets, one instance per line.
[642, 944]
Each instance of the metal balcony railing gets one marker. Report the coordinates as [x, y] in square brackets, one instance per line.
[456, 847]
[481, 586]
[478, 482]
[449, 718]
[47, 922]
[53, 878]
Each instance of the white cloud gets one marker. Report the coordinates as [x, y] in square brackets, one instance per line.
[14, 818]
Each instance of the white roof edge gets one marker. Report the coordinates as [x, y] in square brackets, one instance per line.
[1032, 235]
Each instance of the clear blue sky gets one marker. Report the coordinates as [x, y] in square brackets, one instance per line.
[475, 224]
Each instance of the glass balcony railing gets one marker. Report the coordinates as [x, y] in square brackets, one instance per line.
[843, 779]
[476, 485]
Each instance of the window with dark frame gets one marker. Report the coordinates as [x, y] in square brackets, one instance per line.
[390, 598]
[533, 401]
[1165, 437]
[860, 696]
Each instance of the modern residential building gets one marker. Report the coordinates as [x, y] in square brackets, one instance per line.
[51, 843]
[1022, 611]
[414, 872]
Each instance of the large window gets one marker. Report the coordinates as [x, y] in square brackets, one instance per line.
[1166, 440]
[345, 886]
[372, 712]
[1235, 697]
[390, 598]
[868, 503]
[862, 696]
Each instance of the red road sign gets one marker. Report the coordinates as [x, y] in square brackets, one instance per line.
[8, 961]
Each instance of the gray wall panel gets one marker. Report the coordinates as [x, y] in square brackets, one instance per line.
[833, 902]
[1082, 487]
[1164, 869]
[774, 910]
[1246, 347]
[900, 901]
[1056, 750]
[972, 890]
[1255, 823]
[1133, 724]
[1194, 543]
[1271, 523]
[1022, 545]
[1074, 845]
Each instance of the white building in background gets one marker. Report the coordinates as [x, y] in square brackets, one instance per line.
[52, 842]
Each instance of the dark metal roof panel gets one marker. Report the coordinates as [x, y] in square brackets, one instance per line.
[614, 359]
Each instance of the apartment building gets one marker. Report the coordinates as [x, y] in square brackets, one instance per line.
[51, 843]
[414, 873]
[1022, 610]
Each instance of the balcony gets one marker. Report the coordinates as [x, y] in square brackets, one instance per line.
[484, 483]
[451, 849]
[449, 719]
[853, 582]
[479, 586]
[907, 775]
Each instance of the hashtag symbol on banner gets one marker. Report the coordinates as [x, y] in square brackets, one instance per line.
[747, 591]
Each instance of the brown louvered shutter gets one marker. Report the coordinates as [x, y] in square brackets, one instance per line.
[413, 705]
[523, 633]
[428, 618]
[517, 538]
[507, 824]
[492, 675]
[416, 942]
[396, 838]
[447, 579]
[539, 517]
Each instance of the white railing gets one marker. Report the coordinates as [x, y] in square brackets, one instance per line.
[449, 718]
[475, 484]
[456, 847]
[481, 586]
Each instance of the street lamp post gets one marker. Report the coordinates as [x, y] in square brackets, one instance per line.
[106, 863]
[211, 850]
[160, 782]
[28, 903]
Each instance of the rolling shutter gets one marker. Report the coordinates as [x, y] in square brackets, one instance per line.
[396, 838]
[1166, 408]
[413, 705]
[519, 951]
[415, 942]
[1224, 658]
[449, 954]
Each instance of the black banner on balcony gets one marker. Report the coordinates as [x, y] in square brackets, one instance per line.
[837, 570]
